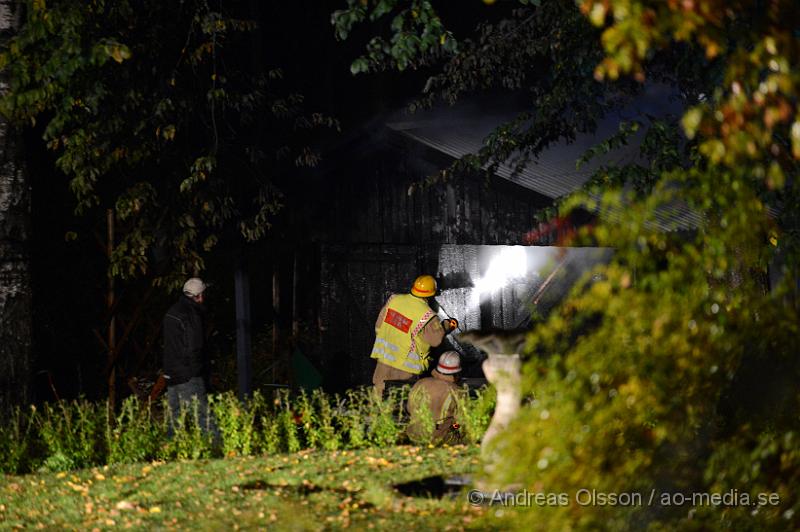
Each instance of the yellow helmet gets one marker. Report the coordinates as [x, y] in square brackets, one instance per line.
[424, 286]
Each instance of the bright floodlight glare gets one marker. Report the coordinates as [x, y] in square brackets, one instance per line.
[510, 263]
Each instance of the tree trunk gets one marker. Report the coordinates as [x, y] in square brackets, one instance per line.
[15, 281]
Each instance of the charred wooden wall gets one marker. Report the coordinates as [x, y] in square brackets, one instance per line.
[370, 202]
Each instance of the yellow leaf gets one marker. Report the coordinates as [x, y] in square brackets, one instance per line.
[691, 121]
[168, 132]
[796, 140]
[155, 510]
[598, 14]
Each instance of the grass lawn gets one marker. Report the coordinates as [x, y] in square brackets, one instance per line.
[307, 490]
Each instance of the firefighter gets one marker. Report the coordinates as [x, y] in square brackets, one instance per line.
[437, 394]
[405, 331]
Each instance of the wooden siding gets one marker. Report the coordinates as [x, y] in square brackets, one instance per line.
[376, 237]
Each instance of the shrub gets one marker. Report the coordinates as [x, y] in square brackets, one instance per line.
[351, 416]
[269, 433]
[70, 434]
[15, 441]
[325, 421]
[474, 414]
[133, 436]
[188, 439]
[305, 417]
[236, 422]
[383, 415]
[422, 425]
[287, 422]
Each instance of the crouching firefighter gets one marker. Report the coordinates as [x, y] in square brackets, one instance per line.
[432, 404]
[405, 331]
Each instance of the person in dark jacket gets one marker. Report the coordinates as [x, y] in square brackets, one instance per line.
[184, 355]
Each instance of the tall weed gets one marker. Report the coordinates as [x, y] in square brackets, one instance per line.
[288, 421]
[305, 417]
[421, 426]
[189, 440]
[352, 418]
[236, 422]
[269, 434]
[325, 421]
[68, 435]
[133, 435]
[475, 413]
[385, 417]
[16, 441]
[71, 434]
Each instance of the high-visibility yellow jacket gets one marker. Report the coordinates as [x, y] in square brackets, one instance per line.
[398, 342]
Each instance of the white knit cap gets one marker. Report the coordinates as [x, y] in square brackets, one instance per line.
[449, 363]
[194, 287]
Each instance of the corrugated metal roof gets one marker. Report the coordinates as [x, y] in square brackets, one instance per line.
[553, 174]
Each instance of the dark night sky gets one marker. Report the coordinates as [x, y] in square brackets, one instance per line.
[298, 36]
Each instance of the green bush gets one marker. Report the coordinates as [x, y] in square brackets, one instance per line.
[760, 465]
[305, 417]
[421, 426]
[269, 434]
[352, 421]
[383, 416]
[287, 421]
[236, 422]
[189, 440]
[473, 414]
[133, 435]
[16, 439]
[71, 434]
[326, 421]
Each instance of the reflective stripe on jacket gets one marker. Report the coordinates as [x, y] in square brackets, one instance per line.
[398, 342]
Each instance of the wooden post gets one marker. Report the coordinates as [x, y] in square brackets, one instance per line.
[112, 340]
[295, 310]
[276, 311]
[243, 344]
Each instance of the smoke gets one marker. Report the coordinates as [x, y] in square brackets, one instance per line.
[510, 263]
[500, 287]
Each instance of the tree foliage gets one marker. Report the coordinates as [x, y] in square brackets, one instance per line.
[673, 369]
[157, 111]
[546, 51]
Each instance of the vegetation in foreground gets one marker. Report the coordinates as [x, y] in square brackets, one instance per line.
[310, 489]
[78, 434]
